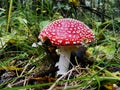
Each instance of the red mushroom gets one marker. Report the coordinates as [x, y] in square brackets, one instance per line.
[67, 34]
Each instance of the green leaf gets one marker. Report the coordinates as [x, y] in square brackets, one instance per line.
[109, 50]
[44, 23]
[12, 38]
[99, 52]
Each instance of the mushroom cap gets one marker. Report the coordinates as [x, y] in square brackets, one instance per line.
[67, 31]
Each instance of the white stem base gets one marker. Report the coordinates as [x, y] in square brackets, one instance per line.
[64, 61]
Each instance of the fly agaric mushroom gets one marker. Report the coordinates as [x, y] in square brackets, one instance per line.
[67, 34]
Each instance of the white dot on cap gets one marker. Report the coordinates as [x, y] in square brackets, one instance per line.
[67, 42]
[77, 31]
[47, 33]
[74, 28]
[78, 41]
[78, 28]
[53, 33]
[53, 39]
[73, 32]
[53, 30]
[74, 42]
[71, 29]
[60, 41]
[66, 39]
[59, 25]
[69, 35]
[72, 25]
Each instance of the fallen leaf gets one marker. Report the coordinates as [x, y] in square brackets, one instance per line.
[10, 68]
[44, 79]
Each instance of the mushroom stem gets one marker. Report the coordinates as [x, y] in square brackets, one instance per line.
[64, 61]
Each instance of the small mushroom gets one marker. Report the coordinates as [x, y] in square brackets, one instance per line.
[67, 34]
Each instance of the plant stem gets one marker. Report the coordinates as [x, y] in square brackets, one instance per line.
[9, 14]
